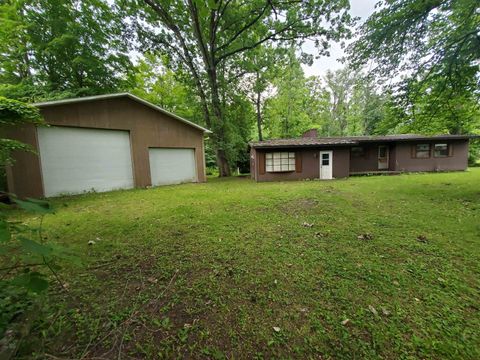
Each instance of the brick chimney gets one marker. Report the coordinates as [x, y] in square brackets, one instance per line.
[312, 133]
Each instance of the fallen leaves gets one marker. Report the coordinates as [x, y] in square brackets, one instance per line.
[366, 236]
[373, 310]
[422, 239]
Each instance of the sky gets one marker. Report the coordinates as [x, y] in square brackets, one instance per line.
[358, 8]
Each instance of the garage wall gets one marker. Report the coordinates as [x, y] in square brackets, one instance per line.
[147, 127]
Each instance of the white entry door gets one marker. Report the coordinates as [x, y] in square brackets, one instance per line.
[172, 166]
[326, 166]
[75, 160]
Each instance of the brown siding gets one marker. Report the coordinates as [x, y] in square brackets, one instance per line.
[261, 163]
[24, 177]
[400, 159]
[458, 161]
[298, 162]
[341, 162]
[392, 155]
[309, 164]
[368, 162]
[147, 127]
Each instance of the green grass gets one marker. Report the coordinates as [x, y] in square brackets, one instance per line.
[208, 270]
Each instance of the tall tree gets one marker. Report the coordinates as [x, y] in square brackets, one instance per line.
[433, 49]
[206, 37]
[155, 82]
[50, 47]
[286, 112]
[261, 67]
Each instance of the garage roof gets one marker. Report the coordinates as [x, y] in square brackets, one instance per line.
[119, 95]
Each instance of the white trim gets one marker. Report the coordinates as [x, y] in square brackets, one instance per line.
[114, 96]
[329, 174]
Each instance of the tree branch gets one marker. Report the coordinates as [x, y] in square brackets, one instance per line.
[245, 28]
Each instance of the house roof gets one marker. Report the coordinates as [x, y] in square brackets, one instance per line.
[351, 140]
[120, 95]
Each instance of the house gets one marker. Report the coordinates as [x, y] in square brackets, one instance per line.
[313, 157]
[102, 143]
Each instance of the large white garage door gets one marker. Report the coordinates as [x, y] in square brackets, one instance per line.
[75, 160]
[172, 166]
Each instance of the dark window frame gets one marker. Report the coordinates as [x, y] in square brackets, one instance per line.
[358, 154]
[447, 149]
[416, 151]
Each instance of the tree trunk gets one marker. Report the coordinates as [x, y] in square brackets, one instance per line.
[259, 113]
[222, 163]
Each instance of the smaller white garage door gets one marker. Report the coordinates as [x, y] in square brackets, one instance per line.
[172, 166]
[75, 160]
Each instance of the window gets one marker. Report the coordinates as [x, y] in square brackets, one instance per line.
[358, 151]
[382, 152]
[325, 159]
[440, 150]
[280, 161]
[422, 151]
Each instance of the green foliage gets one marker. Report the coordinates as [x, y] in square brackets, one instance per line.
[340, 104]
[61, 48]
[286, 112]
[26, 261]
[155, 82]
[427, 53]
[15, 113]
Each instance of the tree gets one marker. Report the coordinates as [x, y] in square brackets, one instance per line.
[261, 67]
[155, 82]
[15, 113]
[205, 37]
[286, 114]
[59, 48]
[339, 85]
[432, 48]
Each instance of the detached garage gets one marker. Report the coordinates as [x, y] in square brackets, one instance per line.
[104, 143]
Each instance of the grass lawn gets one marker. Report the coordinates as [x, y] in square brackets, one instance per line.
[233, 269]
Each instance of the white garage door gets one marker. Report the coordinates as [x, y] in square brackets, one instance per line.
[75, 160]
[172, 166]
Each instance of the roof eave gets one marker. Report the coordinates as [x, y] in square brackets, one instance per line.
[276, 146]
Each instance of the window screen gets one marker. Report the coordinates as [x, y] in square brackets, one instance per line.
[325, 159]
[358, 151]
[280, 161]
[441, 150]
[422, 151]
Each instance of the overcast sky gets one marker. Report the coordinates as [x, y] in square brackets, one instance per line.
[360, 8]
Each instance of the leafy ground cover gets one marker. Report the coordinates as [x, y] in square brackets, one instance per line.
[369, 267]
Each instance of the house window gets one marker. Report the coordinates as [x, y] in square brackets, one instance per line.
[280, 161]
[440, 150]
[325, 159]
[422, 151]
[358, 151]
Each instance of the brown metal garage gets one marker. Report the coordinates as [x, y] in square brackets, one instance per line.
[144, 125]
